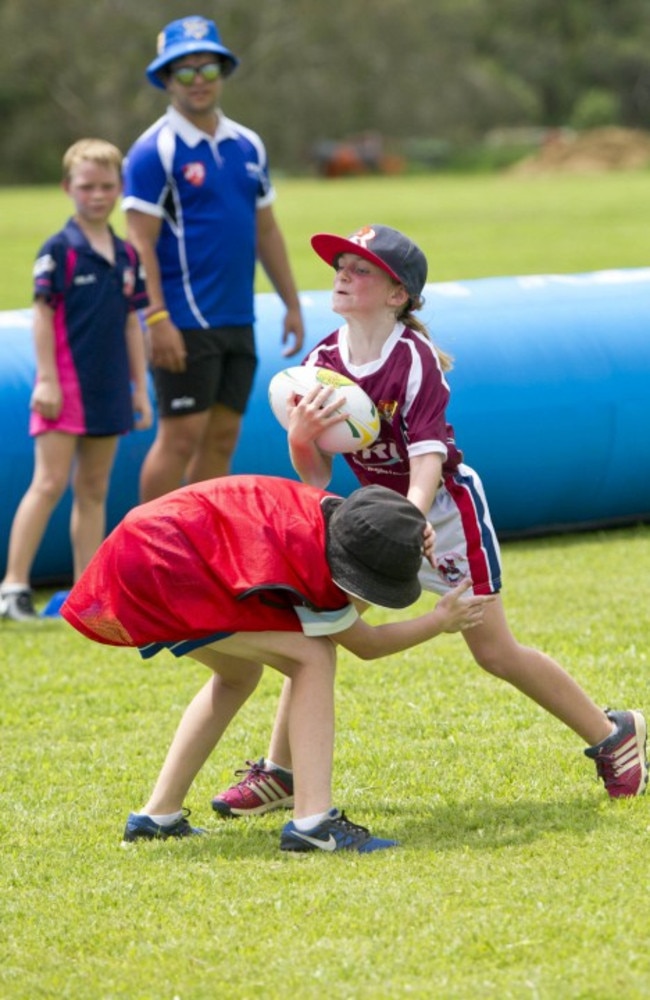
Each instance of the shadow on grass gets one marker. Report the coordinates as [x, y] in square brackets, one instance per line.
[487, 825]
[479, 825]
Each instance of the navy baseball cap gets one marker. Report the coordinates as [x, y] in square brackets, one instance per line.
[183, 38]
[389, 249]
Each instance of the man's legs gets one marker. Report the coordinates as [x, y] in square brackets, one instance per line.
[189, 449]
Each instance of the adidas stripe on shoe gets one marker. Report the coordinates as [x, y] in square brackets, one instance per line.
[259, 791]
[621, 758]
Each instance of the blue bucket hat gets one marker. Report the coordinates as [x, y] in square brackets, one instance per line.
[184, 37]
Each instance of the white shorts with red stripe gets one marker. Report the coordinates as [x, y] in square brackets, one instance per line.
[466, 542]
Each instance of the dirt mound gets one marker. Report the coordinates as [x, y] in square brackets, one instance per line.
[597, 150]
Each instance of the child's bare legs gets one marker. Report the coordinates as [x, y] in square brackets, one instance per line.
[311, 663]
[95, 456]
[203, 724]
[279, 747]
[53, 456]
[496, 650]
[311, 731]
[536, 675]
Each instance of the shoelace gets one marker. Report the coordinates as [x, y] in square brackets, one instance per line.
[183, 823]
[348, 825]
[253, 770]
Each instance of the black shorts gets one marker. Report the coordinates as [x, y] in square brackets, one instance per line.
[221, 367]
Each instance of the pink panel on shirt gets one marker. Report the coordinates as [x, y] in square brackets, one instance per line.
[71, 420]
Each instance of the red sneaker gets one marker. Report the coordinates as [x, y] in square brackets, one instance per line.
[259, 791]
[621, 758]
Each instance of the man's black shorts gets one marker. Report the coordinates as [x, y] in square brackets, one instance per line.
[221, 365]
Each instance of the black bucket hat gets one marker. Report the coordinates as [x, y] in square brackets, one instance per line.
[374, 545]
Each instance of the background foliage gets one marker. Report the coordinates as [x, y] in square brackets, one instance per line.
[438, 73]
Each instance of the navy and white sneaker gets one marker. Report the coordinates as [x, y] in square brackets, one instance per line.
[336, 833]
[17, 605]
[621, 758]
[142, 827]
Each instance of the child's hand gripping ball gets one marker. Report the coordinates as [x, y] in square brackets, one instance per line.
[357, 431]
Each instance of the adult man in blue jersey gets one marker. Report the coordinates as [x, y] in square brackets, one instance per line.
[198, 200]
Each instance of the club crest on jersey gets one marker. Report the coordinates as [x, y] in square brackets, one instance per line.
[449, 571]
[44, 265]
[128, 281]
[363, 236]
[194, 173]
[387, 408]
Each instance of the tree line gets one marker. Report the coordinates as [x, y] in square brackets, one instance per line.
[429, 70]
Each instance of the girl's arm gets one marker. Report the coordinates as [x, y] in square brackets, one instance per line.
[138, 371]
[425, 473]
[455, 612]
[47, 398]
[309, 416]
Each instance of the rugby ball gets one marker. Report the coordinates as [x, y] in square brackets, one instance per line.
[357, 431]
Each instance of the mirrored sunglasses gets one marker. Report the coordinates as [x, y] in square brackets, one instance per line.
[186, 75]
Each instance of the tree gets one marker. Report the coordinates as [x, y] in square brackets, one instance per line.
[449, 70]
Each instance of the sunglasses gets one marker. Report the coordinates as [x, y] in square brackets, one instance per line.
[186, 75]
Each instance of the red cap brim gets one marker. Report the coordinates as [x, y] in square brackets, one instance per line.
[329, 247]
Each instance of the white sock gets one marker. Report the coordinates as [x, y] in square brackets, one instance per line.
[164, 819]
[13, 588]
[309, 822]
[269, 765]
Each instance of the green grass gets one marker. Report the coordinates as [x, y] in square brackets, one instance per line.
[474, 227]
[517, 877]
[469, 227]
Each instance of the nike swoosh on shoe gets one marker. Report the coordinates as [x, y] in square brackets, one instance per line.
[322, 845]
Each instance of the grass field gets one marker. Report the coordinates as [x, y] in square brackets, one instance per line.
[469, 227]
[517, 877]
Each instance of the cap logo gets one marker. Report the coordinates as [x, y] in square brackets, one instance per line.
[160, 43]
[196, 28]
[363, 236]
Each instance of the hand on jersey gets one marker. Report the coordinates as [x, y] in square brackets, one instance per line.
[461, 610]
[47, 398]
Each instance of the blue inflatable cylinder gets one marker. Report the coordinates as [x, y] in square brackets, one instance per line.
[550, 403]
[550, 394]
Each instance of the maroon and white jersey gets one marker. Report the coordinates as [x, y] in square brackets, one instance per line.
[408, 387]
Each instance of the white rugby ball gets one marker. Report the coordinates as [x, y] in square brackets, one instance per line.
[357, 431]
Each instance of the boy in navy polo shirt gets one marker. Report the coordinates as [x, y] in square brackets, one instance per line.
[91, 376]
[198, 199]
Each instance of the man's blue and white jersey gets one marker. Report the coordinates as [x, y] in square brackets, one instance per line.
[207, 190]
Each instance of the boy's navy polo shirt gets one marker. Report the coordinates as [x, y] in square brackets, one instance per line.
[91, 299]
[207, 191]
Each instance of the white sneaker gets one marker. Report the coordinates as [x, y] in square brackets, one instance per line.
[17, 606]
